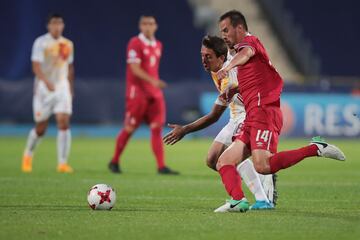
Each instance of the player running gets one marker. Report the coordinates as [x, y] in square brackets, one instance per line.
[260, 87]
[144, 97]
[215, 55]
[52, 62]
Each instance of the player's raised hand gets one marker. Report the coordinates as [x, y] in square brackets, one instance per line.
[175, 135]
[222, 73]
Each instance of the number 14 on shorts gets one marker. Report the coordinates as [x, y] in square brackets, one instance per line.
[263, 136]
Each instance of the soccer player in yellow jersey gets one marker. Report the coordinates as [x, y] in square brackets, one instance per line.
[215, 55]
[52, 63]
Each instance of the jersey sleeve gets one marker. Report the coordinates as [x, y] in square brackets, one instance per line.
[224, 86]
[246, 43]
[134, 53]
[228, 89]
[230, 82]
[37, 53]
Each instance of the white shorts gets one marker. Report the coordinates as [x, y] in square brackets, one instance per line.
[46, 103]
[228, 131]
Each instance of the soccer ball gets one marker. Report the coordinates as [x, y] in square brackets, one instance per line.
[101, 197]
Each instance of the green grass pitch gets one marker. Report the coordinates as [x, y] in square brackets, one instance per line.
[319, 198]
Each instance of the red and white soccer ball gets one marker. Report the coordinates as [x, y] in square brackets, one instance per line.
[101, 197]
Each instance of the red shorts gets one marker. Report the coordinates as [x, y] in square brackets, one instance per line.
[149, 110]
[261, 128]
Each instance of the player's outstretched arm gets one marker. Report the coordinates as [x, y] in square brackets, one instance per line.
[175, 135]
[240, 58]
[179, 131]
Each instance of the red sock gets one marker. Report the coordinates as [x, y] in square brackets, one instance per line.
[157, 146]
[286, 159]
[232, 181]
[121, 142]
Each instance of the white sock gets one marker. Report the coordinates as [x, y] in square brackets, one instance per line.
[31, 143]
[268, 185]
[251, 178]
[262, 177]
[63, 145]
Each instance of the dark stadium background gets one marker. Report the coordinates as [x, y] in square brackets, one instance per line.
[101, 29]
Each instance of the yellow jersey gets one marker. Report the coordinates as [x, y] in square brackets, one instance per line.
[229, 93]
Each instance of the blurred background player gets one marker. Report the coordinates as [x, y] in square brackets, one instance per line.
[52, 63]
[214, 56]
[144, 97]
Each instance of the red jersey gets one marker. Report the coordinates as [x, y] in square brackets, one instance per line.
[147, 53]
[259, 82]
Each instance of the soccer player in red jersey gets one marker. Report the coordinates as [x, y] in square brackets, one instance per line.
[260, 86]
[144, 96]
[215, 55]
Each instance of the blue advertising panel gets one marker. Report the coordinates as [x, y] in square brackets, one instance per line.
[329, 115]
[305, 115]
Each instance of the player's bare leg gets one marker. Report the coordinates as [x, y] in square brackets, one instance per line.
[157, 146]
[33, 139]
[63, 142]
[121, 141]
[267, 163]
[261, 160]
[233, 155]
[216, 149]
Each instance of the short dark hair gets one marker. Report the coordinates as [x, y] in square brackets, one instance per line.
[147, 16]
[54, 15]
[236, 18]
[217, 44]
